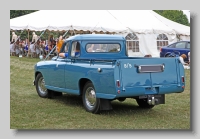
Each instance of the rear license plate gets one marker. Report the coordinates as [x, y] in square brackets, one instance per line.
[150, 68]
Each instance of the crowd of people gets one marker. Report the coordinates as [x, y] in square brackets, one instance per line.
[35, 48]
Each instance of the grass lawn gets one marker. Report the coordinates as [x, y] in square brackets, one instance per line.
[29, 111]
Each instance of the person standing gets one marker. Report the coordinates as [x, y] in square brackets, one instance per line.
[76, 54]
[37, 48]
[189, 57]
[34, 38]
[14, 37]
[181, 58]
[59, 44]
[21, 48]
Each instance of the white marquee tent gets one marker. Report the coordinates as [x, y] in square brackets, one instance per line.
[146, 25]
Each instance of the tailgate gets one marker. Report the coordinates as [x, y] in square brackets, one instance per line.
[147, 74]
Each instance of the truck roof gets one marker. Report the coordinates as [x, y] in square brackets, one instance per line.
[96, 37]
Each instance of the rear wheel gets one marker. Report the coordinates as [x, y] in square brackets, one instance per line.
[144, 104]
[167, 55]
[170, 55]
[90, 102]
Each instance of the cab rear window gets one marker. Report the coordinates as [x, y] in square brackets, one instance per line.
[103, 48]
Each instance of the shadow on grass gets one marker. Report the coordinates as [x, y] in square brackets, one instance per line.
[122, 108]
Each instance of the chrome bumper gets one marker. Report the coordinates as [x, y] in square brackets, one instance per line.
[33, 82]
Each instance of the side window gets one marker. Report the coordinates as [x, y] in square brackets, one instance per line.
[188, 45]
[162, 40]
[180, 45]
[172, 46]
[132, 42]
[65, 47]
[75, 51]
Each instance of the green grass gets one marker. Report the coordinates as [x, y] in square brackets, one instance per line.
[29, 111]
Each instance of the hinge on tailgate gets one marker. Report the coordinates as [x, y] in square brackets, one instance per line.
[118, 63]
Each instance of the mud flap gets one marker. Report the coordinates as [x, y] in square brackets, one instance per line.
[105, 104]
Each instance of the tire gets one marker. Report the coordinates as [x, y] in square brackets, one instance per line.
[144, 104]
[170, 55]
[40, 87]
[167, 55]
[90, 102]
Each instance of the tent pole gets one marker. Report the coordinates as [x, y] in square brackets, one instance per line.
[65, 34]
[73, 30]
[54, 47]
[39, 37]
[18, 37]
[28, 37]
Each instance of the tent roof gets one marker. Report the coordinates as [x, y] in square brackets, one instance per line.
[58, 20]
[118, 21]
[179, 28]
[141, 21]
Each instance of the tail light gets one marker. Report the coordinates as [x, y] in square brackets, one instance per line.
[183, 79]
[160, 49]
[118, 83]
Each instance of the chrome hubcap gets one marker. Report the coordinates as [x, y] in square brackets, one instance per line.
[90, 97]
[41, 86]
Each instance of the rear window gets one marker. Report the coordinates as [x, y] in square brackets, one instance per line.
[103, 48]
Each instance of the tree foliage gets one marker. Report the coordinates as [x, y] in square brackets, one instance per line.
[174, 15]
[17, 13]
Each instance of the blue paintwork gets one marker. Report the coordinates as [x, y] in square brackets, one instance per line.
[64, 74]
[165, 50]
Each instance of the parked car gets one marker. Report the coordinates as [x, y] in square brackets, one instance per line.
[178, 48]
[107, 73]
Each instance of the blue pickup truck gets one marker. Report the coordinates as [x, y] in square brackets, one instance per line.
[103, 72]
[176, 49]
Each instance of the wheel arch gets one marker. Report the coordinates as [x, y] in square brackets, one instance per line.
[168, 53]
[36, 73]
[82, 83]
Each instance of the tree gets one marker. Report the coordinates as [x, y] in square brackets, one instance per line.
[17, 13]
[174, 15]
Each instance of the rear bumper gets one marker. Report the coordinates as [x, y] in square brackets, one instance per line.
[139, 91]
[134, 92]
